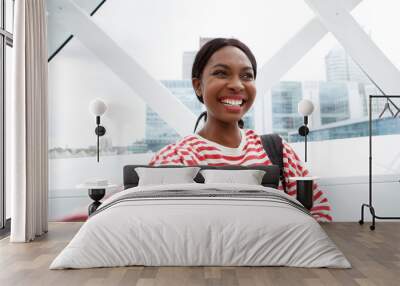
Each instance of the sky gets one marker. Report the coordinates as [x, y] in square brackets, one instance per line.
[157, 32]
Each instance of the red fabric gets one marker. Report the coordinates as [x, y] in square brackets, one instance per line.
[75, 217]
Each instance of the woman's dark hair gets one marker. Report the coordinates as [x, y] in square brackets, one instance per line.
[205, 53]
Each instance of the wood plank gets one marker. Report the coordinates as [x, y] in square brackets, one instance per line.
[374, 255]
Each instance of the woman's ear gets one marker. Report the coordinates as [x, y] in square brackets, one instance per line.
[196, 83]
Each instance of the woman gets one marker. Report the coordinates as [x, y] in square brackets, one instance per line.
[223, 77]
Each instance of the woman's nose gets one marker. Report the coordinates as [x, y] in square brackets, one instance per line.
[235, 83]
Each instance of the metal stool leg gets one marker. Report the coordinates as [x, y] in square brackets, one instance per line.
[361, 221]
[372, 210]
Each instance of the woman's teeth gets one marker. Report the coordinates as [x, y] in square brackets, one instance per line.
[233, 102]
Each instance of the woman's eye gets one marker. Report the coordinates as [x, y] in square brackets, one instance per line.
[248, 76]
[219, 73]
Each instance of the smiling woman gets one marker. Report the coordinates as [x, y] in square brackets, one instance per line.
[223, 77]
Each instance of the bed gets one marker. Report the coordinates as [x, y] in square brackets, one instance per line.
[201, 224]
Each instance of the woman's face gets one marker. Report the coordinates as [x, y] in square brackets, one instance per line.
[227, 85]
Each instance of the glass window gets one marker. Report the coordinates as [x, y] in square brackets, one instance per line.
[285, 97]
[8, 82]
[2, 195]
[169, 53]
[153, 35]
[5, 89]
[89, 5]
[380, 21]
[336, 85]
[2, 109]
[58, 35]
[340, 92]
[9, 15]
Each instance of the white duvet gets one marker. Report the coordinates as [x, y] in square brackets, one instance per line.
[200, 231]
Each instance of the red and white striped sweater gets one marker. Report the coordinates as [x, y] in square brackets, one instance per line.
[196, 150]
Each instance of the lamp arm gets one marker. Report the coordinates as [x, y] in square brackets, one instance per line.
[305, 146]
[98, 149]
[98, 137]
[305, 138]
[306, 120]
[100, 131]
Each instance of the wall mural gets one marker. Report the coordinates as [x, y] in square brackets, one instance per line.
[78, 75]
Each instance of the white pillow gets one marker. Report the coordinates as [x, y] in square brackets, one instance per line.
[248, 177]
[163, 176]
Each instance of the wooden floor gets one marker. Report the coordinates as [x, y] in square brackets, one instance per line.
[374, 255]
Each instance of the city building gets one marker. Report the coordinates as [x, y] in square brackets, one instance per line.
[333, 101]
[188, 59]
[349, 129]
[285, 97]
[158, 133]
[339, 66]
[187, 63]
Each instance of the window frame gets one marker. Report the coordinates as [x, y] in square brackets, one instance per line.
[6, 39]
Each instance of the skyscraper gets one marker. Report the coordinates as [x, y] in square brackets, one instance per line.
[187, 63]
[204, 40]
[340, 66]
[333, 102]
[285, 97]
[188, 59]
[158, 133]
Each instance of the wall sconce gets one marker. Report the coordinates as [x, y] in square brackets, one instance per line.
[305, 108]
[97, 107]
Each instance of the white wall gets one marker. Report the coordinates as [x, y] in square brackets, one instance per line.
[348, 158]
[346, 198]
[342, 166]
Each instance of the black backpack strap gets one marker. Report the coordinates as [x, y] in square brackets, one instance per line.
[273, 146]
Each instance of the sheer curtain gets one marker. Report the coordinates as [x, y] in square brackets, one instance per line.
[27, 160]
